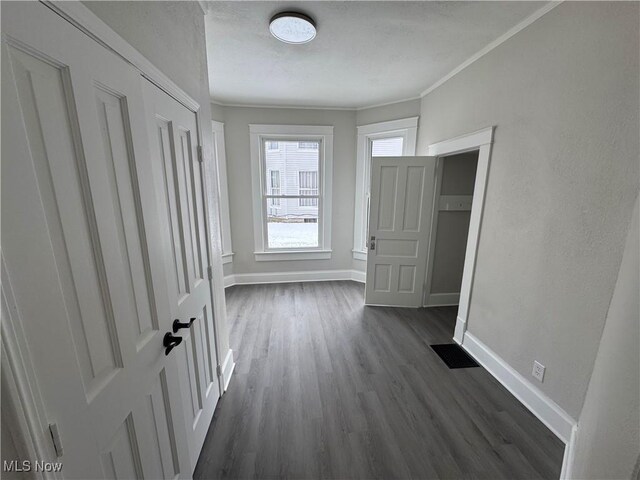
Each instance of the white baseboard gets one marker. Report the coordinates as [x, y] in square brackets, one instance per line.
[358, 276]
[547, 411]
[229, 280]
[290, 277]
[442, 299]
[569, 455]
[461, 327]
[227, 369]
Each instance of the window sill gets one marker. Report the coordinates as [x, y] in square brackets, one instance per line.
[227, 258]
[292, 255]
[360, 255]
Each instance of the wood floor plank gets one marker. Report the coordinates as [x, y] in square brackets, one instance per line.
[325, 387]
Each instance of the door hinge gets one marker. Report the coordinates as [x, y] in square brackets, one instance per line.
[200, 154]
[219, 370]
[210, 272]
[55, 437]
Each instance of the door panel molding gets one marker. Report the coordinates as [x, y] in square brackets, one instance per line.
[401, 190]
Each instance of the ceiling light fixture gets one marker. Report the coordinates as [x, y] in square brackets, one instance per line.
[292, 27]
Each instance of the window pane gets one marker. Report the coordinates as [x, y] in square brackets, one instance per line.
[308, 182]
[289, 159]
[293, 232]
[387, 147]
[292, 169]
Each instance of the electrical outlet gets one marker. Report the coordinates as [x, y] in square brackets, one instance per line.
[538, 370]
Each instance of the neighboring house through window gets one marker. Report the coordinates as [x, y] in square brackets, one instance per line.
[291, 191]
[308, 186]
[274, 189]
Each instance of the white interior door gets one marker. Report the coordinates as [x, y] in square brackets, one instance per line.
[177, 174]
[401, 198]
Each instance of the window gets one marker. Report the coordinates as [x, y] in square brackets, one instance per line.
[387, 147]
[308, 145]
[274, 189]
[291, 191]
[308, 186]
[385, 139]
[272, 146]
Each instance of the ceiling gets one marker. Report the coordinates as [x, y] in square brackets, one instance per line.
[365, 53]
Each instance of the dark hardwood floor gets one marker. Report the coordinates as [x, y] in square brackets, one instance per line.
[327, 388]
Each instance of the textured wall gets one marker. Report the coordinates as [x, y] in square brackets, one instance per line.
[563, 94]
[608, 437]
[394, 111]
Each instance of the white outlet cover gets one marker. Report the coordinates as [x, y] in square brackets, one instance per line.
[538, 370]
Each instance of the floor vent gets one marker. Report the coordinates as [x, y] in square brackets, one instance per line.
[454, 356]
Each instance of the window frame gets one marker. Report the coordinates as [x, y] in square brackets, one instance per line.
[406, 128]
[259, 134]
[220, 154]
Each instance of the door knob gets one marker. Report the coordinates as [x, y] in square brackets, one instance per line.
[177, 324]
[169, 341]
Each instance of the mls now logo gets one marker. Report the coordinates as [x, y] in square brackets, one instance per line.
[29, 466]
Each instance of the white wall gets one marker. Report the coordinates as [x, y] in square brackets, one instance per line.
[237, 120]
[564, 171]
[608, 437]
[393, 111]
[172, 36]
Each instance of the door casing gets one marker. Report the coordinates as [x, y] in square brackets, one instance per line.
[481, 140]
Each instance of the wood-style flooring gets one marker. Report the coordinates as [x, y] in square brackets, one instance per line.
[325, 387]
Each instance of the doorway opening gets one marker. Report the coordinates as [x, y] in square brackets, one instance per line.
[453, 197]
[481, 142]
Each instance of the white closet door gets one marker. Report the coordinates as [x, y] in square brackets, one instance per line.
[178, 176]
[81, 242]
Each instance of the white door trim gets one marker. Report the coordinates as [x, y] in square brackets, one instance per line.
[22, 382]
[482, 141]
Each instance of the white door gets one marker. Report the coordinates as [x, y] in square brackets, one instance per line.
[177, 174]
[80, 241]
[401, 198]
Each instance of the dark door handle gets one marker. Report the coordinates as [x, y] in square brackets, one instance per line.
[169, 341]
[177, 325]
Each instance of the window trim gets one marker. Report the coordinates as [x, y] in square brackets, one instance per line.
[223, 191]
[324, 134]
[407, 128]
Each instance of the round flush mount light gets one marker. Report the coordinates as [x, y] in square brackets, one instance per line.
[292, 27]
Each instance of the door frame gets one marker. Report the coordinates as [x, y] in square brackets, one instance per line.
[23, 382]
[481, 140]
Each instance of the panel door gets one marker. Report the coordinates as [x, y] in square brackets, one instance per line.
[178, 177]
[401, 197]
[80, 242]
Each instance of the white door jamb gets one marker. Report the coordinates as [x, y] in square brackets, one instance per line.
[482, 141]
